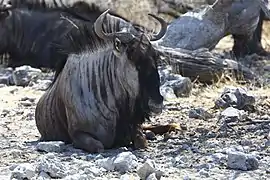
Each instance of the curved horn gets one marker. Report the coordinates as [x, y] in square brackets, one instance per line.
[163, 28]
[98, 25]
[122, 35]
[6, 6]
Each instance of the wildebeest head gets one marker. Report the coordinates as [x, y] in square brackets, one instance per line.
[132, 44]
[136, 45]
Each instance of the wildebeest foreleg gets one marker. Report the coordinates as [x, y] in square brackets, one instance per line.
[82, 138]
[85, 141]
[139, 141]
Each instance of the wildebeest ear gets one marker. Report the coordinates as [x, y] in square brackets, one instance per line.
[4, 14]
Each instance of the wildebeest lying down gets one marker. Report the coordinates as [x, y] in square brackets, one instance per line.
[105, 91]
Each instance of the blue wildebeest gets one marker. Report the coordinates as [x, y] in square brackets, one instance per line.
[106, 89]
[27, 36]
[30, 32]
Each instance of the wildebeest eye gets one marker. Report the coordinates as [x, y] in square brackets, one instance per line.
[117, 44]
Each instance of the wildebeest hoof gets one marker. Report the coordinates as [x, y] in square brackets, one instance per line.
[140, 142]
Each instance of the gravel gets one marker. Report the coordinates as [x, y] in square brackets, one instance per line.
[199, 150]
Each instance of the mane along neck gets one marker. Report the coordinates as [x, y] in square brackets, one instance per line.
[106, 70]
[100, 83]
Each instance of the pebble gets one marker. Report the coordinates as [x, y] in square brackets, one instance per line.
[150, 135]
[146, 169]
[50, 164]
[23, 171]
[199, 113]
[23, 75]
[241, 161]
[152, 177]
[231, 114]
[51, 146]
[125, 161]
[238, 98]
[122, 162]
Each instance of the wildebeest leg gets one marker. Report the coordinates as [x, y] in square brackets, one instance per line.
[240, 47]
[243, 45]
[139, 141]
[81, 138]
[255, 44]
[86, 142]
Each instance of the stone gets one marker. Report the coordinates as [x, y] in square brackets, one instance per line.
[79, 176]
[181, 86]
[218, 158]
[204, 173]
[106, 163]
[41, 85]
[6, 76]
[125, 161]
[238, 98]
[146, 169]
[152, 177]
[23, 75]
[231, 114]
[43, 176]
[51, 146]
[4, 80]
[53, 166]
[241, 161]
[167, 93]
[23, 171]
[129, 177]
[173, 85]
[199, 113]
[149, 135]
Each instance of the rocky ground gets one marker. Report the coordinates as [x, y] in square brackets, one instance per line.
[215, 141]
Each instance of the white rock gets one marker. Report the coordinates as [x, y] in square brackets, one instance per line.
[167, 93]
[42, 84]
[50, 164]
[129, 177]
[24, 74]
[125, 161]
[79, 176]
[218, 157]
[231, 114]
[242, 161]
[43, 176]
[152, 177]
[23, 171]
[106, 163]
[146, 169]
[51, 146]
[204, 173]
[94, 170]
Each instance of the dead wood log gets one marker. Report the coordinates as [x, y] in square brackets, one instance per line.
[203, 66]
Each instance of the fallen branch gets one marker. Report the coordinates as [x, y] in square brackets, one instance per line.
[203, 65]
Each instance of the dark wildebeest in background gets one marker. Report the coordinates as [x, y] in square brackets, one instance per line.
[107, 88]
[30, 31]
[245, 45]
[28, 36]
